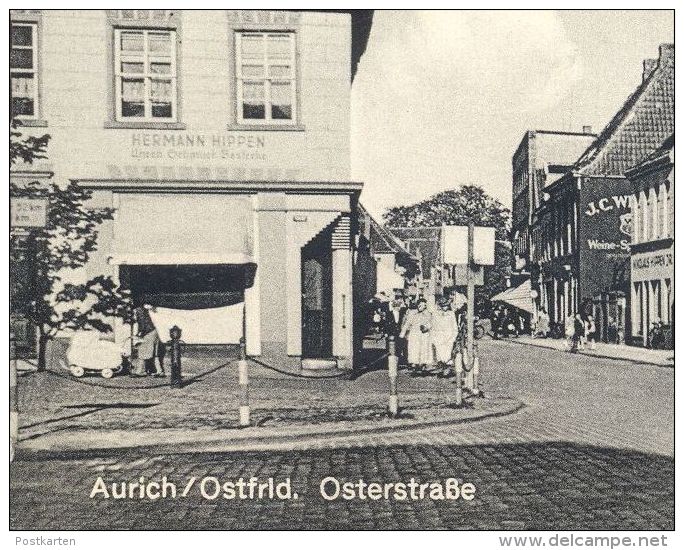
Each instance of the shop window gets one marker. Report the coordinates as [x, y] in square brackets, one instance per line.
[636, 308]
[663, 210]
[266, 82]
[667, 311]
[653, 213]
[145, 75]
[645, 227]
[636, 218]
[24, 70]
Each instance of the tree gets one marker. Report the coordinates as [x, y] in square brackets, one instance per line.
[40, 258]
[459, 207]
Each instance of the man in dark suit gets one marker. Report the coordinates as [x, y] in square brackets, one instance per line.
[393, 323]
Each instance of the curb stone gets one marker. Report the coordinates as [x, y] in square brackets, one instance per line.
[598, 355]
[218, 443]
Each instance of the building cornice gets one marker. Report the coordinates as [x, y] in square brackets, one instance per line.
[213, 186]
[650, 246]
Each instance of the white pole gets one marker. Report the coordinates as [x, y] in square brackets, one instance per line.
[14, 397]
[392, 370]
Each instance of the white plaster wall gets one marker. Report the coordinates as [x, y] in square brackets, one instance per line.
[76, 85]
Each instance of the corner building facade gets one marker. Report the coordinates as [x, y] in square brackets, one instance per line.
[222, 141]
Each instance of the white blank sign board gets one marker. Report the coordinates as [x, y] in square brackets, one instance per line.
[455, 245]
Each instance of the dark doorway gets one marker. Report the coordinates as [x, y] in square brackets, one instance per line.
[317, 298]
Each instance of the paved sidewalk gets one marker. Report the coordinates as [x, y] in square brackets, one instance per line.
[59, 413]
[661, 358]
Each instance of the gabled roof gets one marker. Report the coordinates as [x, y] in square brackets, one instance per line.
[423, 242]
[381, 240]
[639, 127]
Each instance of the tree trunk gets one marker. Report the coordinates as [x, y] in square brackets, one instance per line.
[42, 351]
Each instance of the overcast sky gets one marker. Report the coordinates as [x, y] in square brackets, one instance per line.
[442, 98]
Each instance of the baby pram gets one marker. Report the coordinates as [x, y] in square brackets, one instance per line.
[88, 353]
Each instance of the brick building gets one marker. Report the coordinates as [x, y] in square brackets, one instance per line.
[222, 140]
[652, 248]
[582, 234]
[541, 158]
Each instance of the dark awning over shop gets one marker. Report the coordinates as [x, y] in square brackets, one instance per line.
[187, 286]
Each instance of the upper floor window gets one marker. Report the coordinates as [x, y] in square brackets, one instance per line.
[24, 69]
[145, 75]
[266, 82]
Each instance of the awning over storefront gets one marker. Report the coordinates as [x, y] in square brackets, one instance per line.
[187, 229]
[517, 297]
[187, 286]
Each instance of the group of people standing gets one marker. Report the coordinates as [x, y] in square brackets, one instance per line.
[425, 337]
[580, 330]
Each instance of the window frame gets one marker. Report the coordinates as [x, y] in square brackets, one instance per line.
[146, 58]
[34, 71]
[267, 80]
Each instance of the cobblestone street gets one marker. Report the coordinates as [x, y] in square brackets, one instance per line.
[592, 449]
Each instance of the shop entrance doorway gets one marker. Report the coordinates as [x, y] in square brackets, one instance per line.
[317, 298]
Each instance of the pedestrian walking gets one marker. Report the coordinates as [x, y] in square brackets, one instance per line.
[417, 330]
[578, 339]
[590, 331]
[569, 332]
[542, 329]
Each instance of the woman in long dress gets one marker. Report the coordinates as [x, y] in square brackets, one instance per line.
[416, 330]
[444, 333]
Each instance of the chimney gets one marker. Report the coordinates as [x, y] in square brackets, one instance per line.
[666, 56]
[586, 129]
[649, 66]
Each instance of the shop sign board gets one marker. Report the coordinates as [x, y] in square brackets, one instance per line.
[27, 213]
[658, 264]
[605, 233]
[455, 245]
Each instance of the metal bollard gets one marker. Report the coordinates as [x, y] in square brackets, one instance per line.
[14, 398]
[392, 370]
[243, 380]
[458, 372]
[176, 377]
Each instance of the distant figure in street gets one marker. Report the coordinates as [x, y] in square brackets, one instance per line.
[569, 332]
[612, 331]
[444, 333]
[578, 340]
[148, 345]
[590, 331]
[416, 330]
[542, 324]
[510, 323]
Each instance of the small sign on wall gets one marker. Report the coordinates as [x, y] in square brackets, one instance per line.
[455, 245]
[28, 212]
